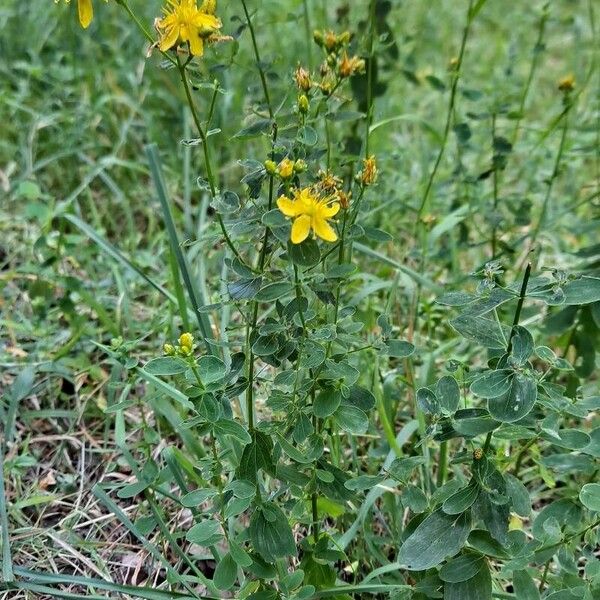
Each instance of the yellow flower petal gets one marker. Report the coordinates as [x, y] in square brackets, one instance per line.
[169, 39]
[196, 43]
[288, 207]
[324, 230]
[330, 211]
[300, 229]
[86, 12]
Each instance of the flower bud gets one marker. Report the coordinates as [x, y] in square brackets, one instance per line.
[302, 78]
[303, 104]
[169, 349]
[270, 167]
[567, 84]
[186, 343]
[369, 172]
[300, 166]
[286, 168]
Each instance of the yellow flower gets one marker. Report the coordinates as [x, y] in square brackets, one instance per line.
[309, 212]
[85, 10]
[185, 22]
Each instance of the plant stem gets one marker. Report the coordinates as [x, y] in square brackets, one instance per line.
[522, 295]
[261, 72]
[553, 177]
[372, 8]
[532, 69]
[205, 148]
[451, 103]
[443, 464]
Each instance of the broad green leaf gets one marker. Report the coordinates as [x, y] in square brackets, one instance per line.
[166, 365]
[231, 428]
[517, 402]
[461, 500]
[437, 537]
[327, 402]
[590, 496]
[524, 586]
[399, 348]
[521, 502]
[257, 455]
[270, 532]
[461, 568]
[204, 532]
[582, 291]
[427, 401]
[492, 384]
[306, 254]
[273, 291]
[351, 419]
[522, 344]
[448, 393]
[479, 587]
[482, 330]
[211, 369]
[225, 573]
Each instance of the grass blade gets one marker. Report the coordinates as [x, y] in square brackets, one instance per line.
[192, 289]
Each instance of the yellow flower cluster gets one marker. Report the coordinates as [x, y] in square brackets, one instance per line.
[185, 347]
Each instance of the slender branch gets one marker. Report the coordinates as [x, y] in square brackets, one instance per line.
[261, 71]
[451, 103]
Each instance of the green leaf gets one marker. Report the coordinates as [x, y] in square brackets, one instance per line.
[461, 500]
[448, 393]
[517, 402]
[590, 496]
[521, 502]
[307, 136]
[437, 537]
[582, 291]
[427, 401]
[270, 533]
[492, 384]
[327, 402]
[479, 587]
[204, 531]
[166, 365]
[163, 386]
[233, 429]
[241, 557]
[482, 330]
[522, 345]
[351, 419]
[524, 586]
[272, 291]
[225, 573]
[211, 369]
[399, 348]
[461, 568]
[257, 455]
[306, 254]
